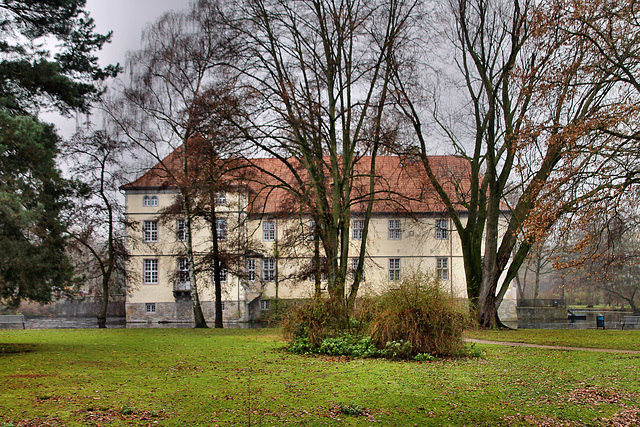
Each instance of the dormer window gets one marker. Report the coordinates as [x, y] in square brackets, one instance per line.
[150, 201]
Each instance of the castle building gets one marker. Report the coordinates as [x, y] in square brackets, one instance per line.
[268, 240]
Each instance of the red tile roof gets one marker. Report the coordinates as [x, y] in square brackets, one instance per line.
[401, 185]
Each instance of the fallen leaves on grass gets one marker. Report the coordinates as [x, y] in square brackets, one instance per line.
[40, 422]
[628, 417]
[534, 420]
[590, 395]
[140, 418]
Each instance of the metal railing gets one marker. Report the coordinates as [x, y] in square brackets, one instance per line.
[542, 302]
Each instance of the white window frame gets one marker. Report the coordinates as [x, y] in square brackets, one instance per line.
[395, 230]
[150, 231]
[269, 231]
[394, 269]
[442, 268]
[150, 271]
[442, 229]
[357, 226]
[220, 198]
[183, 271]
[181, 230]
[251, 269]
[265, 304]
[355, 262]
[269, 269]
[221, 229]
[150, 201]
[150, 307]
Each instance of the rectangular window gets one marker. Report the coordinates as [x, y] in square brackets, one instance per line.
[150, 307]
[394, 229]
[183, 271]
[269, 269]
[394, 268]
[312, 230]
[220, 198]
[223, 274]
[265, 304]
[150, 231]
[442, 229]
[181, 230]
[442, 268]
[354, 266]
[251, 269]
[269, 231]
[357, 225]
[321, 265]
[151, 271]
[221, 229]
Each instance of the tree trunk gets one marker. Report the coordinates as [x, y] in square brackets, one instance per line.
[198, 315]
[104, 304]
[217, 264]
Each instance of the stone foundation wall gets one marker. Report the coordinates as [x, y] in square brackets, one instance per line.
[182, 312]
[89, 307]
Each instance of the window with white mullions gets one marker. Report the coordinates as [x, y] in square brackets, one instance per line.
[150, 201]
[269, 231]
[395, 232]
[355, 262]
[357, 226]
[220, 198]
[394, 269]
[251, 269]
[269, 269]
[221, 229]
[183, 270]
[150, 271]
[181, 230]
[150, 231]
[442, 268]
[442, 229]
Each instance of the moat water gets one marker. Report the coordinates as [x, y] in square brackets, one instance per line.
[117, 322]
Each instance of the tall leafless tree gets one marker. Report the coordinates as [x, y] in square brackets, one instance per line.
[97, 220]
[159, 108]
[536, 103]
[317, 74]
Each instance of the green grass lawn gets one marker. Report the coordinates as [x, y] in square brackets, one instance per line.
[185, 377]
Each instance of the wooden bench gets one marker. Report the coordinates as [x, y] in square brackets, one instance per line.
[629, 320]
[12, 321]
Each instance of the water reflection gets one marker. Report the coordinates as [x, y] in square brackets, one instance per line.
[116, 322]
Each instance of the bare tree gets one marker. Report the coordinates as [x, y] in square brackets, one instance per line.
[317, 75]
[159, 109]
[538, 102]
[97, 219]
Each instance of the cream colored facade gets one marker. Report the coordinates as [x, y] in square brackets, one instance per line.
[397, 245]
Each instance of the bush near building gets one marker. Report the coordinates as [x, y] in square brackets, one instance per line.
[414, 320]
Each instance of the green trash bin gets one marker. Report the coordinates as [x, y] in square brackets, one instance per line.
[599, 321]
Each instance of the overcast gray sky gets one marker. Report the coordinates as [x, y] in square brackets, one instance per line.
[126, 18]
